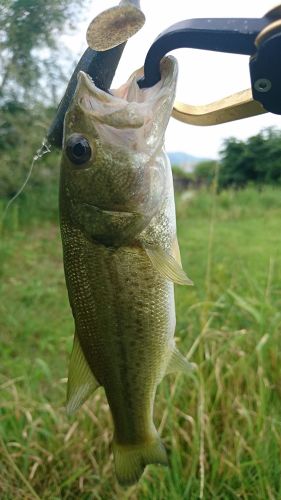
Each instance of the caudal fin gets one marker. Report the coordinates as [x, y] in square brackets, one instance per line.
[131, 460]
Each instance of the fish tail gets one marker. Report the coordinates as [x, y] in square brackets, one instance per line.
[131, 460]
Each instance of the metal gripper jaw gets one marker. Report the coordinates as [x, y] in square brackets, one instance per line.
[259, 38]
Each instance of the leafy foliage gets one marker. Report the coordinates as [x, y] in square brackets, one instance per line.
[29, 64]
[205, 172]
[28, 30]
[256, 160]
[21, 134]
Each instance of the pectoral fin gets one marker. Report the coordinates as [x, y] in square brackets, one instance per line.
[81, 382]
[167, 266]
[178, 363]
[176, 251]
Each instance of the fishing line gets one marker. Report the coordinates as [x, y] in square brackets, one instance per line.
[44, 149]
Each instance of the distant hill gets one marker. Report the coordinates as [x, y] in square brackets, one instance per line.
[184, 160]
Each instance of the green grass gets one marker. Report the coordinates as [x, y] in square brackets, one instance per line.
[223, 432]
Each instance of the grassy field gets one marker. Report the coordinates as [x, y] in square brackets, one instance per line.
[222, 432]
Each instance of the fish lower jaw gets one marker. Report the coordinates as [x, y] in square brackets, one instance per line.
[124, 213]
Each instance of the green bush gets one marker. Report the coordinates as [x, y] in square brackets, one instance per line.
[256, 160]
[205, 172]
[21, 134]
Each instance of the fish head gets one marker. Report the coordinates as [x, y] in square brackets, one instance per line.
[114, 171]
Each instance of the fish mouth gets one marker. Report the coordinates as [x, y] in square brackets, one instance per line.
[124, 213]
[129, 107]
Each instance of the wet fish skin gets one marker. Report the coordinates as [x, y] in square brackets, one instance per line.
[121, 257]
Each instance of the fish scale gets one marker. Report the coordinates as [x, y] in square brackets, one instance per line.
[130, 314]
[121, 258]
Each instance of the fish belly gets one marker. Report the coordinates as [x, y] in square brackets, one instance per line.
[125, 318]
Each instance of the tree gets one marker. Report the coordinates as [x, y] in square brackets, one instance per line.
[256, 160]
[29, 38]
[205, 171]
[232, 171]
[29, 30]
[21, 133]
[271, 165]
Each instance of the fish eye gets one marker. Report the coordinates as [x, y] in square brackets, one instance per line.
[78, 149]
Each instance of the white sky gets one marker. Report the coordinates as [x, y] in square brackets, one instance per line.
[204, 76]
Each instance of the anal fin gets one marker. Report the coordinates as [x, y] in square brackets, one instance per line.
[81, 381]
[167, 266]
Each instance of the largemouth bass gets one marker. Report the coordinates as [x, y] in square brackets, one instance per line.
[121, 257]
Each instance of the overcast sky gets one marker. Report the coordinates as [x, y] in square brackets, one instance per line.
[204, 76]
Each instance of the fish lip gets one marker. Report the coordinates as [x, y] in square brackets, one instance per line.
[111, 212]
[86, 79]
